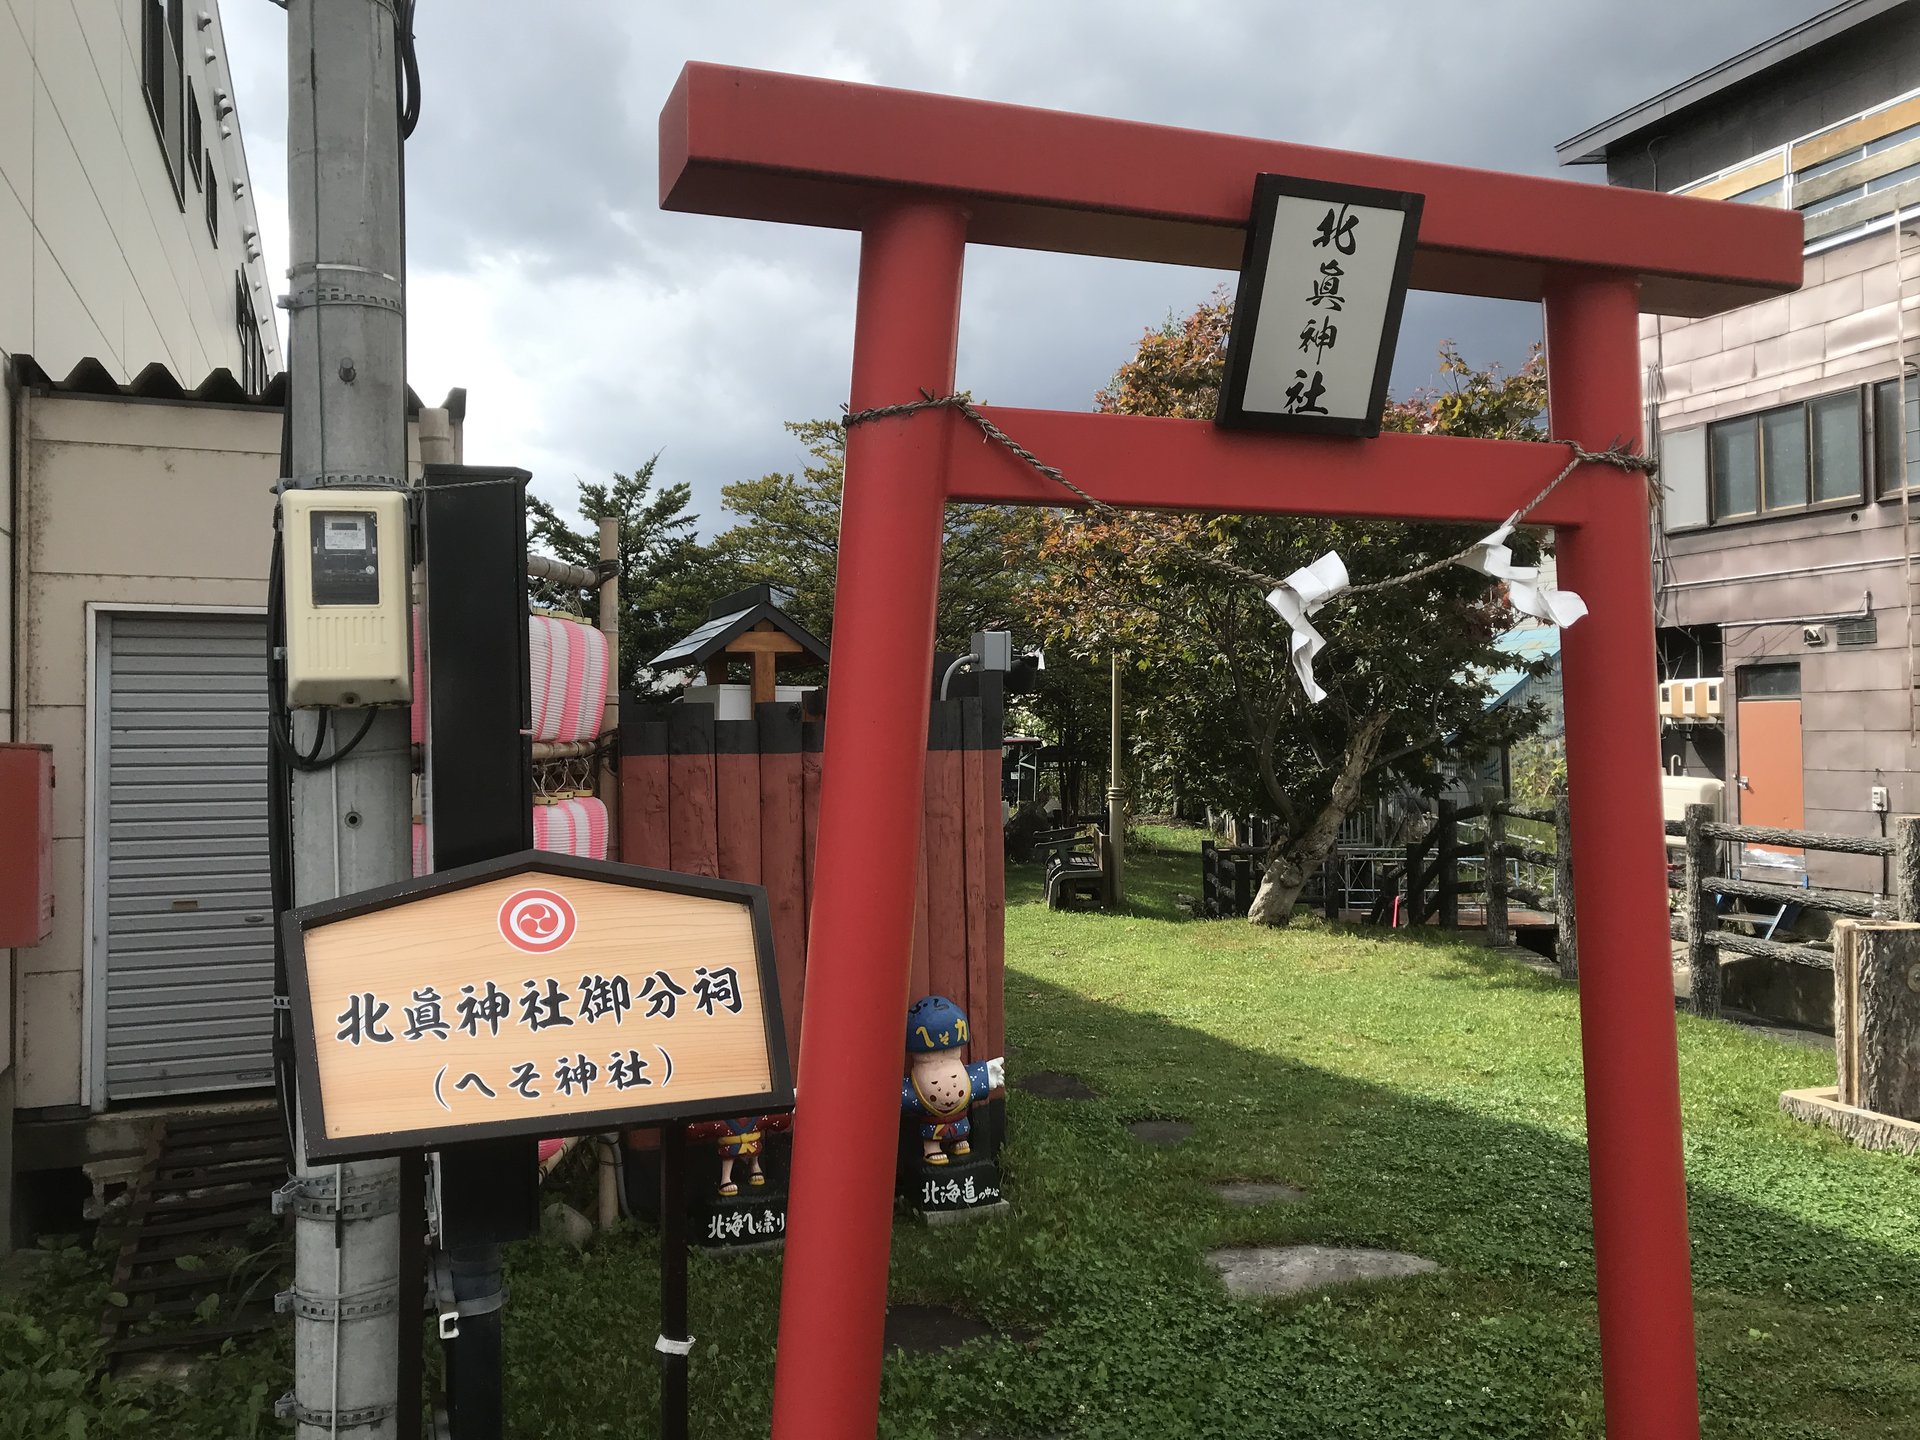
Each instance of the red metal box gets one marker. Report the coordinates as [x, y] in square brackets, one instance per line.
[26, 844]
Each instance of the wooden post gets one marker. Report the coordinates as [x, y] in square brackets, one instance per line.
[607, 783]
[1446, 859]
[1411, 914]
[1703, 960]
[1906, 868]
[1566, 942]
[1846, 999]
[764, 680]
[1876, 1009]
[1330, 894]
[1499, 933]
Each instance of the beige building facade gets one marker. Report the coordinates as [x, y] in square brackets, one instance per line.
[128, 244]
[141, 549]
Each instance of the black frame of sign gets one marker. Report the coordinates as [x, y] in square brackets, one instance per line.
[1268, 190]
[295, 923]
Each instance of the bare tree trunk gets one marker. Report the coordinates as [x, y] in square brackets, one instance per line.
[1289, 862]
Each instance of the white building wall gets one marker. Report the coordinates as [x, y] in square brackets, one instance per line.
[122, 503]
[98, 255]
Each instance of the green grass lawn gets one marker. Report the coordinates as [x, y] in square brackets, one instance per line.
[1427, 1097]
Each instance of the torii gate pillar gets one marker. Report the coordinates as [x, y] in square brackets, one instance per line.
[922, 176]
[892, 509]
[1626, 989]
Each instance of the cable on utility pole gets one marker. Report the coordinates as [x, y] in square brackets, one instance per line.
[349, 812]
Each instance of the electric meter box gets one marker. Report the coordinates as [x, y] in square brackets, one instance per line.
[347, 603]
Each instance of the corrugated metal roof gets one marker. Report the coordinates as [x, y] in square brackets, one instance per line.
[157, 382]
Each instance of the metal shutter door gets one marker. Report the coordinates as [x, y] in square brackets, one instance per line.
[187, 907]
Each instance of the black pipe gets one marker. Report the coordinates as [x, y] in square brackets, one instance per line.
[673, 1282]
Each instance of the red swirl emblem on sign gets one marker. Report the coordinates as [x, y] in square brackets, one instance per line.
[537, 921]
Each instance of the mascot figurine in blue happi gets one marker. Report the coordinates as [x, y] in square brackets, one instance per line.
[940, 1087]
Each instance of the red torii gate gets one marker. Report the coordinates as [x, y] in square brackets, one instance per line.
[922, 176]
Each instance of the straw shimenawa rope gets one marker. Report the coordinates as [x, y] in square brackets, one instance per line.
[1619, 456]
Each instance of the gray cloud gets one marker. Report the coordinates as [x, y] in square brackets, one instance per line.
[593, 330]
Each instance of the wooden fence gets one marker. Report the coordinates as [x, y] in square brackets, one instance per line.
[1452, 862]
[1704, 883]
[740, 799]
[1448, 863]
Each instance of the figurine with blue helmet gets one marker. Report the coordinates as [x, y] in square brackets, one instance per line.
[940, 1087]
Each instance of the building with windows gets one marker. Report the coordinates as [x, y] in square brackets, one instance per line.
[130, 266]
[1788, 433]
[127, 230]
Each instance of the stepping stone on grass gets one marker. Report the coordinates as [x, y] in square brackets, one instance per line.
[1246, 1194]
[1055, 1085]
[930, 1329]
[1160, 1132]
[1260, 1272]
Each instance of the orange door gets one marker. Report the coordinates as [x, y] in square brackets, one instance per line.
[1769, 764]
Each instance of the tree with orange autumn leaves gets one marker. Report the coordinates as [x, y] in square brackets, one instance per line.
[1226, 720]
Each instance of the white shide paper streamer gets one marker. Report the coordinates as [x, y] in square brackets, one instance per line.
[1306, 590]
[1297, 598]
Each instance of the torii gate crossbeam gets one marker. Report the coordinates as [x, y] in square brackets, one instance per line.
[922, 176]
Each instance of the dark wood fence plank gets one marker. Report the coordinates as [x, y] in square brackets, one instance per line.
[736, 784]
[692, 836]
[920, 979]
[946, 856]
[993, 1025]
[643, 789]
[981, 978]
[783, 867]
[813, 740]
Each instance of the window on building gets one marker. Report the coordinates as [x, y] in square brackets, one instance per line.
[253, 350]
[1734, 449]
[1689, 652]
[1762, 193]
[1888, 426]
[196, 137]
[212, 201]
[1833, 423]
[1788, 458]
[1768, 682]
[1857, 153]
[163, 80]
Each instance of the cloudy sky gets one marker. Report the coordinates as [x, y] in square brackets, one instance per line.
[592, 330]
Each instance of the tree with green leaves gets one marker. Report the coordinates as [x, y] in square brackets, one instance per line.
[1227, 715]
[788, 534]
[660, 556]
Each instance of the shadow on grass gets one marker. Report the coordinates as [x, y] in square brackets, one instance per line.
[1805, 1323]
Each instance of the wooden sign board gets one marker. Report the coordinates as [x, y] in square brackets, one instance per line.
[536, 994]
[1322, 287]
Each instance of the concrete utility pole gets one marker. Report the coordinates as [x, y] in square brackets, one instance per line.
[352, 821]
[1116, 807]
